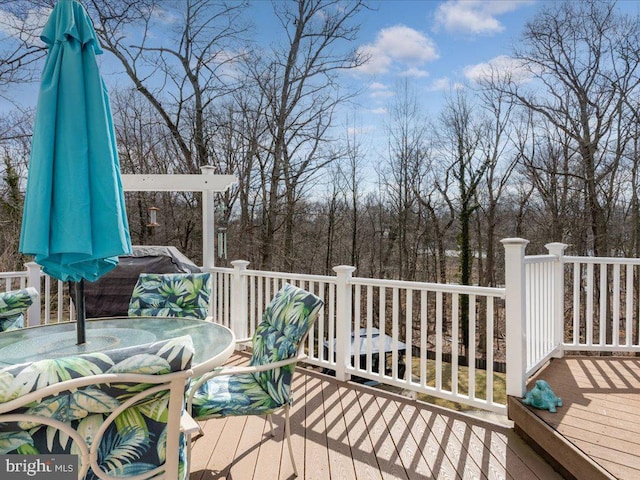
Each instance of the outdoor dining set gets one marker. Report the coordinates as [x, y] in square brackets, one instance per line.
[128, 412]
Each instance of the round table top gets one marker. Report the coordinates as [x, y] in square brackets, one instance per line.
[213, 343]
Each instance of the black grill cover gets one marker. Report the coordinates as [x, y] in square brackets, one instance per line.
[109, 296]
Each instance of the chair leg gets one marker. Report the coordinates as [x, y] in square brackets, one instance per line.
[287, 433]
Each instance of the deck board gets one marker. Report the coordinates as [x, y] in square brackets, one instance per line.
[349, 431]
[600, 415]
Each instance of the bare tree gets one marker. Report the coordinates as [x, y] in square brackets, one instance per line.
[20, 48]
[408, 150]
[584, 59]
[184, 71]
[299, 80]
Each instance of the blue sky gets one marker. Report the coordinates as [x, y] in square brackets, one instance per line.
[436, 45]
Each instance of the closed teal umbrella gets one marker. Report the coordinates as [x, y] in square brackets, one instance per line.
[74, 219]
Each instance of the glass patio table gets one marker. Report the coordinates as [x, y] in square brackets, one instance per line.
[213, 343]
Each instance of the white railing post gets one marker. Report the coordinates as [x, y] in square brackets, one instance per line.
[33, 280]
[239, 299]
[558, 249]
[515, 306]
[343, 320]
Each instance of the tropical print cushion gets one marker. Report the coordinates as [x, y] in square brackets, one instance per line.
[232, 395]
[134, 443]
[286, 321]
[171, 295]
[13, 305]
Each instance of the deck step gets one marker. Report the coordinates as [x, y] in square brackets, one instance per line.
[565, 457]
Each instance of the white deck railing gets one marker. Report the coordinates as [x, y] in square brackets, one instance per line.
[54, 305]
[550, 304]
[413, 324]
[581, 304]
[602, 305]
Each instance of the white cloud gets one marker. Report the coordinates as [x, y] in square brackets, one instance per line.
[444, 84]
[415, 73]
[164, 16]
[379, 90]
[379, 111]
[499, 68]
[398, 45]
[475, 16]
[364, 130]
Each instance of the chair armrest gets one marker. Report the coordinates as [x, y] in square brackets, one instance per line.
[244, 340]
[188, 425]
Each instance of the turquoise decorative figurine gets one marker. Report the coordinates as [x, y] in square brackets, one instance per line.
[541, 396]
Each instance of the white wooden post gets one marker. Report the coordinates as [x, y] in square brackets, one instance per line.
[239, 299]
[343, 320]
[33, 280]
[515, 302]
[208, 224]
[558, 249]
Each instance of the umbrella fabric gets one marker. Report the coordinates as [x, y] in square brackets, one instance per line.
[74, 219]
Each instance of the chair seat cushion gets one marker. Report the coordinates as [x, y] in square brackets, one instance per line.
[232, 395]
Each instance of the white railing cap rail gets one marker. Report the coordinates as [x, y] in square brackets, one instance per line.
[601, 260]
[546, 258]
[22, 274]
[434, 287]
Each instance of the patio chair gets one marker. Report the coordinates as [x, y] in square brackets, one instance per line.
[264, 386]
[171, 295]
[13, 305]
[119, 410]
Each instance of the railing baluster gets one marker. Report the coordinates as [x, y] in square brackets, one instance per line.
[603, 304]
[369, 328]
[395, 306]
[439, 334]
[455, 341]
[424, 330]
[577, 282]
[355, 328]
[589, 315]
[628, 311]
[471, 355]
[615, 300]
[408, 353]
[489, 350]
[382, 312]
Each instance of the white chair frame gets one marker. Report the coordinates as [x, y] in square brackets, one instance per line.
[174, 382]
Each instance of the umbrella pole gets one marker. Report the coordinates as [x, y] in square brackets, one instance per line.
[81, 312]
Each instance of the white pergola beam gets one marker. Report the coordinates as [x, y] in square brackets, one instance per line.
[177, 183]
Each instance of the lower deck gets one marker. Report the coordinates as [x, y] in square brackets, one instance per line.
[595, 433]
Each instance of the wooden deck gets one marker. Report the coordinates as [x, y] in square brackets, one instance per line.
[347, 431]
[595, 433]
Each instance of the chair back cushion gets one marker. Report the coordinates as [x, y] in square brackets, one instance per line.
[285, 324]
[171, 295]
[13, 306]
[134, 443]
